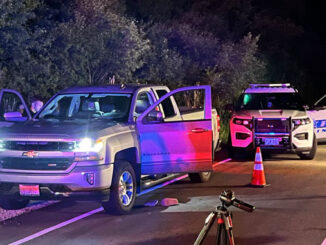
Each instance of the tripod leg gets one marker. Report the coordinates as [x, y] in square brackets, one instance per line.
[224, 230]
[229, 226]
[222, 236]
[207, 226]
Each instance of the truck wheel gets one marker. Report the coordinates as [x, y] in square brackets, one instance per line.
[312, 153]
[200, 177]
[123, 189]
[12, 203]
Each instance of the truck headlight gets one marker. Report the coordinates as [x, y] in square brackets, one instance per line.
[89, 145]
[2, 145]
[301, 121]
[244, 122]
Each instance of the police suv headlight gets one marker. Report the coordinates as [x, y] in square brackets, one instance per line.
[302, 121]
[244, 122]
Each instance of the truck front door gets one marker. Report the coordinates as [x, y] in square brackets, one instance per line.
[13, 108]
[175, 133]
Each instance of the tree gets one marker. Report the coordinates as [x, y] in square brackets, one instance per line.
[97, 44]
[24, 61]
[66, 44]
[237, 66]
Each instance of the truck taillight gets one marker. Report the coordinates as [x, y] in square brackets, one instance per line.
[218, 123]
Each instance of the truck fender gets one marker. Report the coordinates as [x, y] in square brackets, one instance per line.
[130, 155]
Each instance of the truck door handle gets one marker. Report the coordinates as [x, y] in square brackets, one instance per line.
[199, 130]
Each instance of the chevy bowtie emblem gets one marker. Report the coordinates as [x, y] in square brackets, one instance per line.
[30, 154]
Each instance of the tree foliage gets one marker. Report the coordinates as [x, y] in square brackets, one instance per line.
[97, 44]
[51, 44]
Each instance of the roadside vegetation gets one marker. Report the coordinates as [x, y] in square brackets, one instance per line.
[49, 45]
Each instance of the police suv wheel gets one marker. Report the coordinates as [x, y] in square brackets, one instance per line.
[13, 203]
[123, 189]
[310, 155]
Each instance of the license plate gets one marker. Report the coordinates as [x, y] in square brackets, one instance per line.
[29, 190]
[271, 141]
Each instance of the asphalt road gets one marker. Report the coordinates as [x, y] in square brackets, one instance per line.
[289, 211]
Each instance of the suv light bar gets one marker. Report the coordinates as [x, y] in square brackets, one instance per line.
[271, 85]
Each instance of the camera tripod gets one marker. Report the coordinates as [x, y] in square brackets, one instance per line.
[224, 219]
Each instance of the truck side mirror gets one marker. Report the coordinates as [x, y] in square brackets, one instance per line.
[14, 116]
[154, 117]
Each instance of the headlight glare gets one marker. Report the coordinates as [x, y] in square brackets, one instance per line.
[89, 145]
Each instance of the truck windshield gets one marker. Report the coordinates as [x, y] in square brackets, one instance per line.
[86, 106]
[270, 101]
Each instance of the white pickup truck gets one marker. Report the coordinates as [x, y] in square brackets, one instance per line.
[106, 142]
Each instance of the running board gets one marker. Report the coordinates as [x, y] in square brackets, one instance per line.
[150, 183]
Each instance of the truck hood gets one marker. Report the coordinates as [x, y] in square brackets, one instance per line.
[270, 114]
[56, 129]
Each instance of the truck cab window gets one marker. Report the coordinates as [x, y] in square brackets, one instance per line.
[166, 104]
[144, 100]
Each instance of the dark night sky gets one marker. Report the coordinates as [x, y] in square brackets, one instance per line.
[310, 15]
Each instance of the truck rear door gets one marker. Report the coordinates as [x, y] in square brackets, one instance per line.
[175, 133]
[13, 108]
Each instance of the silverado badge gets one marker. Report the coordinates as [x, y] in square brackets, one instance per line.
[30, 154]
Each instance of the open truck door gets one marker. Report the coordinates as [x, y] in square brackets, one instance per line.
[176, 137]
[13, 108]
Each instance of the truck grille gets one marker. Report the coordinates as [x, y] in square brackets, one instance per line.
[38, 145]
[272, 125]
[35, 163]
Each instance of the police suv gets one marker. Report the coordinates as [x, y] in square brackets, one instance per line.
[273, 117]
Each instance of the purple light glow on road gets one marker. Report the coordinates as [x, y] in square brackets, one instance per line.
[221, 162]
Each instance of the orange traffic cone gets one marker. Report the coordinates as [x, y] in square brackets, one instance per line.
[258, 175]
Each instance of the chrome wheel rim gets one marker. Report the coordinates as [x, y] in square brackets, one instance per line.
[126, 188]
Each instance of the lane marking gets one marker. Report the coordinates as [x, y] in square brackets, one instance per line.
[58, 226]
[221, 162]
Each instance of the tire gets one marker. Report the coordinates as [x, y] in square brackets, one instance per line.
[12, 203]
[312, 153]
[123, 189]
[200, 177]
